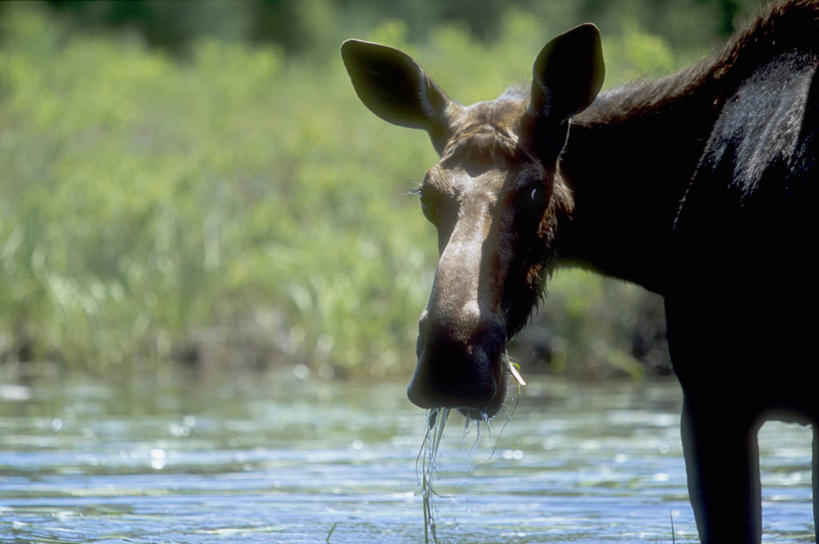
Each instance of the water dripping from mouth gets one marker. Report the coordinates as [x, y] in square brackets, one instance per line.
[425, 464]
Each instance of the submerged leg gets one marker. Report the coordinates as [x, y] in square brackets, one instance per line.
[815, 480]
[722, 462]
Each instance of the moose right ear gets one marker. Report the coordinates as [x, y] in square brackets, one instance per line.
[395, 87]
[568, 73]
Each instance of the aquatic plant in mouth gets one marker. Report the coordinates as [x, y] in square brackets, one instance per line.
[514, 370]
[425, 463]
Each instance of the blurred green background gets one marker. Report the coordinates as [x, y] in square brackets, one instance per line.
[197, 182]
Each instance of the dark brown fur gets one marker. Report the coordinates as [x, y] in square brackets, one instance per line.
[700, 186]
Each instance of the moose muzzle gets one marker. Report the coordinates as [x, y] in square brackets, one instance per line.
[459, 363]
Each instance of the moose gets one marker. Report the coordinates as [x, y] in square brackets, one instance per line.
[700, 186]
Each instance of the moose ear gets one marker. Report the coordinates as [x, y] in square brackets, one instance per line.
[395, 87]
[568, 73]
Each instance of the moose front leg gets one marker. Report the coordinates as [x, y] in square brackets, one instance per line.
[722, 462]
[815, 480]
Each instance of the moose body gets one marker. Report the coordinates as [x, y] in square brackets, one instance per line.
[700, 186]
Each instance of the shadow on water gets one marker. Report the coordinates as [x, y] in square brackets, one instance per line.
[275, 458]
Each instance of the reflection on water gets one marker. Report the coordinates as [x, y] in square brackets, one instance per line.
[250, 458]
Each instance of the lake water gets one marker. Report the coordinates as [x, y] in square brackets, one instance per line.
[277, 459]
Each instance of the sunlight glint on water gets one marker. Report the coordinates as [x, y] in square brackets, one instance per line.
[250, 458]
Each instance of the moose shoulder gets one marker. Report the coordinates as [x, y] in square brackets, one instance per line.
[699, 186]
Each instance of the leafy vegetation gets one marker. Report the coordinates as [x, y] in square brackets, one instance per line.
[238, 203]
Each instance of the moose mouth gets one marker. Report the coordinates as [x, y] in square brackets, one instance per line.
[494, 405]
[471, 379]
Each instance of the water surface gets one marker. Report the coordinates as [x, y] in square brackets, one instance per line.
[274, 458]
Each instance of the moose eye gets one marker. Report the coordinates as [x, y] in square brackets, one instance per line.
[536, 194]
[531, 202]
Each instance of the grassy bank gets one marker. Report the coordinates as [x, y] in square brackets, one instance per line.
[235, 203]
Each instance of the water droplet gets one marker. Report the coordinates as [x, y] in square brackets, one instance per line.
[179, 431]
[158, 459]
[513, 454]
[64, 515]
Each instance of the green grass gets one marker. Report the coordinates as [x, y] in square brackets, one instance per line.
[236, 198]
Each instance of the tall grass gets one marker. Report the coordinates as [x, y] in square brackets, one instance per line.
[233, 200]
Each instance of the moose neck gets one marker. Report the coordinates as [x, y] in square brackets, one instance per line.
[631, 155]
[628, 161]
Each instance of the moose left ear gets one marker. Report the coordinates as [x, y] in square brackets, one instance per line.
[568, 73]
[395, 87]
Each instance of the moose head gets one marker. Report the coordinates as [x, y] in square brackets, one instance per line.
[495, 198]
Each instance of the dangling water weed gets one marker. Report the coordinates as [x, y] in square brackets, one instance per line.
[508, 410]
[426, 462]
[425, 466]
